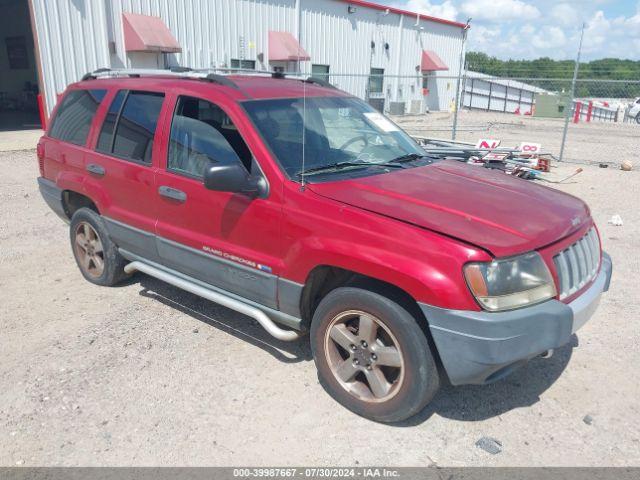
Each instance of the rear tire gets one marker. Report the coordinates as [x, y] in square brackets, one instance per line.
[96, 255]
[372, 357]
[638, 118]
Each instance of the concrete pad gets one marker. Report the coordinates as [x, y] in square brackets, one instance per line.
[19, 140]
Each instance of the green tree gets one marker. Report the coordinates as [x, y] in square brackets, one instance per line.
[556, 75]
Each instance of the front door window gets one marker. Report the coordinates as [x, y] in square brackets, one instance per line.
[201, 133]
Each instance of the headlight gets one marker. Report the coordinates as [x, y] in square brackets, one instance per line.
[510, 283]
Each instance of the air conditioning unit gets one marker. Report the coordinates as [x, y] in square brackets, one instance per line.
[397, 108]
[416, 107]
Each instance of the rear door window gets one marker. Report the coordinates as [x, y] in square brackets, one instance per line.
[129, 129]
[105, 140]
[74, 116]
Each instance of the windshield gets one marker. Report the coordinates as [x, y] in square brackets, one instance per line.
[337, 130]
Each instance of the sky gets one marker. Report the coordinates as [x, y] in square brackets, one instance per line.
[527, 29]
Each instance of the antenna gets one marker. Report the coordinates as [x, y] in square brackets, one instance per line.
[304, 132]
[304, 118]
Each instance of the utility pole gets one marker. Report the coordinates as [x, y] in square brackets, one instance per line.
[460, 68]
[573, 94]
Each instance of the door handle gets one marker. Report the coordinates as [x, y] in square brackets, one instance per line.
[172, 193]
[96, 169]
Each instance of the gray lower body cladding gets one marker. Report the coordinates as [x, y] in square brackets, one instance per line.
[480, 347]
[278, 297]
[52, 195]
[252, 284]
[245, 283]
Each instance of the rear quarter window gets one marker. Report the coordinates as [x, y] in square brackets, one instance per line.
[74, 116]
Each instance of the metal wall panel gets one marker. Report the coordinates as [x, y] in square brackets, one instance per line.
[211, 33]
[72, 37]
[514, 94]
[512, 106]
[343, 41]
[75, 36]
[484, 92]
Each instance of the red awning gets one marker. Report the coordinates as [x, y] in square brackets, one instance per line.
[283, 47]
[143, 33]
[431, 62]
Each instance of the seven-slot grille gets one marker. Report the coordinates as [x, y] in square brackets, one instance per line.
[578, 264]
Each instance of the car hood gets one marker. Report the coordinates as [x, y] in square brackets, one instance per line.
[500, 213]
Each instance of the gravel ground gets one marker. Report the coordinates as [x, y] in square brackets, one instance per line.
[586, 142]
[145, 374]
[19, 139]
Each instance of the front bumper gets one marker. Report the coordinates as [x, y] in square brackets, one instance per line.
[481, 347]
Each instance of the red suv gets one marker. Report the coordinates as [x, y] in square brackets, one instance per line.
[299, 205]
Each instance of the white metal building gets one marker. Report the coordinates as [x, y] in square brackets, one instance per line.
[64, 39]
[485, 92]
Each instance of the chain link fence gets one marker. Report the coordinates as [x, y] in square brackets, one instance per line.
[603, 117]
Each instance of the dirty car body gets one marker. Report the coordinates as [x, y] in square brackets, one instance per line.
[301, 202]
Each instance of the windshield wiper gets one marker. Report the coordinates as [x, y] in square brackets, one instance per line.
[339, 166]
[395, 162]
[409, 157]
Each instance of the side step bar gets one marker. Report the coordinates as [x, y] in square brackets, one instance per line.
[233, 304]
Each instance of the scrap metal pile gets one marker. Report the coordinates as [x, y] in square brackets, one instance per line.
[526, 161]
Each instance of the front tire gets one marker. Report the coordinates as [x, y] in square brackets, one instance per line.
[96, 255]
[372, 357]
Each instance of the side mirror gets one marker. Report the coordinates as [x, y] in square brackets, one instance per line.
[232, 177]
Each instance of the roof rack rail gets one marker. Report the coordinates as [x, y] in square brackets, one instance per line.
[221, 80]
[320, 82]
[93, 75]
[315, 80]
[182, 72]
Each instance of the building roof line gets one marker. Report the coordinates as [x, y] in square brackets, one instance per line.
[399, 11]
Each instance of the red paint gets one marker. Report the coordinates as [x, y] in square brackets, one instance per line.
[589, 111]
[234, 224]
[144, 33]
[283, 47]
[487, 144]
[40, 155]
[415, 229]
[466, 203]
[577, 113]
[431, 62]
[399, 11]
[43, 115]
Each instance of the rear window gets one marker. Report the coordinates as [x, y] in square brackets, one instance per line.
[74, 116]
[130, 126]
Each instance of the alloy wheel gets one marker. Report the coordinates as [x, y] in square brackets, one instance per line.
[364, 356]
[89, 249]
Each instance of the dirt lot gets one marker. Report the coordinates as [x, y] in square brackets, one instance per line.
[145, 374]
[586, 142]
